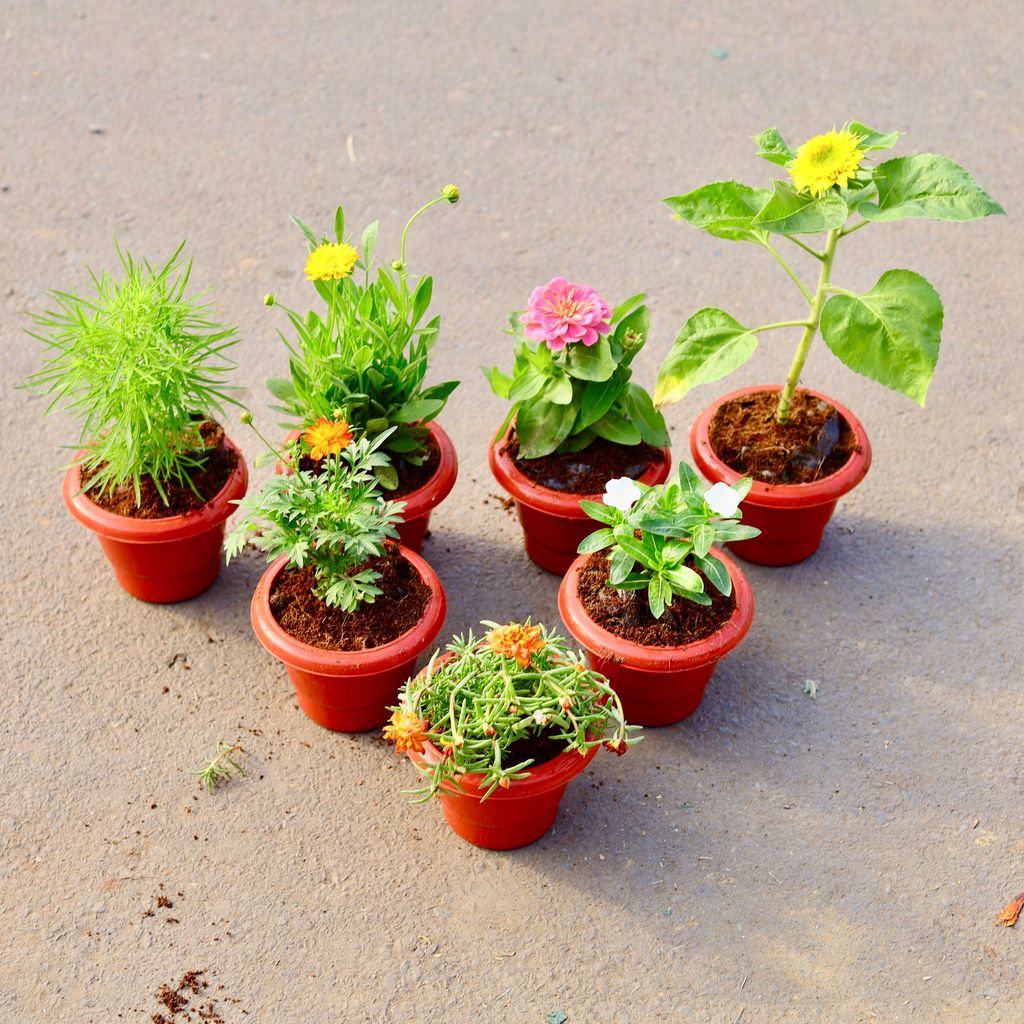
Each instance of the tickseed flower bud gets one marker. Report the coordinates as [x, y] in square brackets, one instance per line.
[451, 193]
[397, 264]
[268, 299]
[246, 417]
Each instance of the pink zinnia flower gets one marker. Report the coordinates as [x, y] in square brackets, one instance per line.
[560, 312]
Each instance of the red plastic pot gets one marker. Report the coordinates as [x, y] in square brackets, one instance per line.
[553, 522]
[657, 685]
[349, 691]
[791, 517]
[419, 503]
[513, 817]
[167, 559]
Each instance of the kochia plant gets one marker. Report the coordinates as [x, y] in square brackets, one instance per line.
[571, 379]
[365, 357]
[141, 363]
[656, 537]
[891, 332]
[333, 520]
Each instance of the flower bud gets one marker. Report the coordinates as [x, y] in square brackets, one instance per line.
[246, 417]
[268, 299]
[397, 265]
[451, 193]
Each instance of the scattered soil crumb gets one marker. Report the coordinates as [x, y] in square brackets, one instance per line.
[187, 1002]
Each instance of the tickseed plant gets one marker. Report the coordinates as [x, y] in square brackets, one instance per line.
[478, 704]
[365, 357]
[221, 767]
[890, 333]
[657, 536]
[571, 379]
[141, 363]
[334, 520]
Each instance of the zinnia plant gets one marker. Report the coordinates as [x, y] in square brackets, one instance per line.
[890, 333]
[334, 519]
[657, 537]
[571, 379]
[141, 363]
[364, 357]
[488, 702]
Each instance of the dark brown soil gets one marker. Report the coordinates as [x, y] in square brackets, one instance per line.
[585, 472]
[410, 478]
[816, 441]
[541, 748]
[302, 614]
[627, 614]
[209, 479]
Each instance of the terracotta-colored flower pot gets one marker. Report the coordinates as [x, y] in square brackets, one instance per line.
[791, 517]
[167, 559]
[657, 685]
[553, 522]
[513, 817]
[349, 691]
[419, 503]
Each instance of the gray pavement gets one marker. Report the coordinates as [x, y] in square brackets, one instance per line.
[774, 858]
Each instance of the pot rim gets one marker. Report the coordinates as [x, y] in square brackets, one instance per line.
[164, 528]
[606, 645]
[559, 503]
[817, 492]
[296, 654]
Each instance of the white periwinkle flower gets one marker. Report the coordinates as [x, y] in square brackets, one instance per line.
[621, 493]
[722, 500]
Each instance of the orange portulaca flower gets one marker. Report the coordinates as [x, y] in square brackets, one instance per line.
[516, 642]
[407, 731]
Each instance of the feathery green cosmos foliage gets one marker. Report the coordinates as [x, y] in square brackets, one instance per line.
[677, 529]
[142, 365]
[478, 704]
[563, 400]
[365, 356]
[891, 332]
[334, 521]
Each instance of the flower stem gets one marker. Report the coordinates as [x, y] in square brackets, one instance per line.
[781, 323]
[788, 269]
[786, 398]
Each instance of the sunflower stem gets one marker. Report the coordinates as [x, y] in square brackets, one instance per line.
[781, 323]
[786, 397]
[816, 253]
[805, 291]
[856, 227]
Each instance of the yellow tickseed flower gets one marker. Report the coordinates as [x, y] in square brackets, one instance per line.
[407, 731]
[826, 160]
[331, 261]
[327, 437]
[516, 641]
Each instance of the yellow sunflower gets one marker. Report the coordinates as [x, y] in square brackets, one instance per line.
[331, 261]
[327, 437]
[826, 160]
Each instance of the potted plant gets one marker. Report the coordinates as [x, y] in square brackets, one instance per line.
[803, 449]
[652, 599]
[345, 608]
[142, 364]
[576, 418]
[365, 357]
[498, 727]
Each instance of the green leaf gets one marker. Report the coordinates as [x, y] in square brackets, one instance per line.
[789, 212]
[688, 479]
[306, 229]
[716, 572]
[527, 384]
[772, 147]
[683, 578]
[592, 362]
[630, 335]
[617, 429]
[927, 185]
[872, 140]
[421, 298]
[369, 243]
[620, 565]
[339, 224]
[596, 541]
[637, 405]
[387, 477]
[623, 308]
[703, 537]
[281, 388]
[890, 333]
[542, 426]
[725, 209]
[726, 533]
[420, 409]
[601, 512]
[659, 593]
[559, 390]
[598, 397]
[641, 551]
[710, 345]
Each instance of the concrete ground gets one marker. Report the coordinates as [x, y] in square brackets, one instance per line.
[774, 858]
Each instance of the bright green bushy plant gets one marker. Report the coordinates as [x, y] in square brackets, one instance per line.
[334, 520]
[141, 363]
[656, 537]
[890, 333]
[519, 682]
[365, 357]
[565, 390]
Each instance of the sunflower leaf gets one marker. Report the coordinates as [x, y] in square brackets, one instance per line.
[725, 209]
[789, 212]
[771, 146]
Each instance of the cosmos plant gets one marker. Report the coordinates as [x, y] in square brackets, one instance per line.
[890, 333]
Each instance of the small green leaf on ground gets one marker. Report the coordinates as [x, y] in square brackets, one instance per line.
[556, 1017]
[811, 688]
[718, 53]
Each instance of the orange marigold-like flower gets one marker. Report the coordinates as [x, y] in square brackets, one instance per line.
[516, 641]
[327, 437]
[407, 731]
